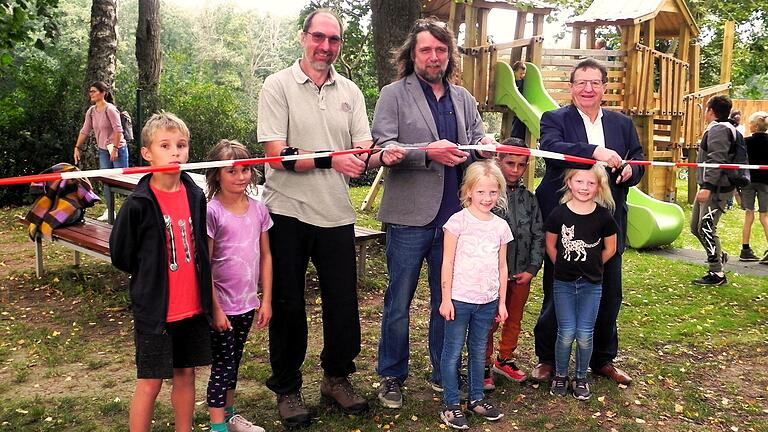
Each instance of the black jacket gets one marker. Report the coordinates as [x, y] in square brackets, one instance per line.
[757, 150]
[138, 246]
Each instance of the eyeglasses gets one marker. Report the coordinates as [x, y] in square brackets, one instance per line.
[320, 37]
[596, 84]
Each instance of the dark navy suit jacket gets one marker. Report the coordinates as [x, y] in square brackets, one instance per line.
[563, 131]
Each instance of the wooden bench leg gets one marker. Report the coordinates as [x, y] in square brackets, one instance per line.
[361, 253]
[38, 256]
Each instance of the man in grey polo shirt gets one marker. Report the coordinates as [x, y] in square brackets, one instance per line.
[306, 108]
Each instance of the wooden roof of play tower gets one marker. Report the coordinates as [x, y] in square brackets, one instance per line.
[670, 15]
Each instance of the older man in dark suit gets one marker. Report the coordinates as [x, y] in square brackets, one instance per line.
[585, 129]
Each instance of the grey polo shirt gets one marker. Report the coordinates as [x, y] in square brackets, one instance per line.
[293, 109]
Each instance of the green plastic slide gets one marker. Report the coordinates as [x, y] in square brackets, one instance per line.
[651, 222]
[532, 103]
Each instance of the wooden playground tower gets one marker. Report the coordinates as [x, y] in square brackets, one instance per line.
[658, 89]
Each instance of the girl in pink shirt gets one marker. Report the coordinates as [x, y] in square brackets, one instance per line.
[240, 258]
[474, 278]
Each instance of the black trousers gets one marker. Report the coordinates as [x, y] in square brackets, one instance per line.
[605, 338]
[332, 251]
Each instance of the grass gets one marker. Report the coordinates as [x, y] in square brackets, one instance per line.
[66, 352]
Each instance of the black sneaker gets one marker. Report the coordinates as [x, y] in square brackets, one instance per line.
[581, 389]
[711, 278]
[559, 386]
[748, 255]
[485, 409]
[453, 416]
[390, 393]
[764, 260]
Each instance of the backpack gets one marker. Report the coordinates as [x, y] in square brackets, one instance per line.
[738, 155]
[127, 124]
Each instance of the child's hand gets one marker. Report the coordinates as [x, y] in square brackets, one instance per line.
[502, 316]
[523, 278]
[265, 314]
[220, 320]
[446, 310]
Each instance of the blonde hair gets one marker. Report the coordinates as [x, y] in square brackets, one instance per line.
[475, 172]
[162, 121]
[603, 196]
[225, 150]
[758, 121]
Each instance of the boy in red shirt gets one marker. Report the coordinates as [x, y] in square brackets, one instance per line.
[159, 237]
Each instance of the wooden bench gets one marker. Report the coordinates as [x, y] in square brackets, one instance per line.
[363, 236]
[90, 237]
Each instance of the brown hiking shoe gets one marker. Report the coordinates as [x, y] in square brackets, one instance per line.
[292, 410]
[339, 391]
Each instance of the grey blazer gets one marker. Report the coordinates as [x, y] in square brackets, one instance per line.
[414, 187]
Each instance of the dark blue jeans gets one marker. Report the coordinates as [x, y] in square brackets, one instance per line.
[471, 322]
[407, 248]
[576, 304]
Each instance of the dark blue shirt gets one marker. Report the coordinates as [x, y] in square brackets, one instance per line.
[445, 119]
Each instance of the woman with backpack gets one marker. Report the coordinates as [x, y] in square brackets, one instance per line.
[103, 118]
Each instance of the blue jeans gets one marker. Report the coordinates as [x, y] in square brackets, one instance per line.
[407, 248]
[472, 322]
[120, 162]
[576, 305]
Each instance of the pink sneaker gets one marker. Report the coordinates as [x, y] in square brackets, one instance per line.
[509, 370]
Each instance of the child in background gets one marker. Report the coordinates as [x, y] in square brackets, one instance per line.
[239, 246]
[581, 237]
[525, 254]
[474, 275]
[159, 238]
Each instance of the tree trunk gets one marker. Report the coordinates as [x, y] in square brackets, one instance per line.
[391, 20]
[102, 50]
[148, 54]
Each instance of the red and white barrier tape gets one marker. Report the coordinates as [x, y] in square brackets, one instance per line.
[523, 151]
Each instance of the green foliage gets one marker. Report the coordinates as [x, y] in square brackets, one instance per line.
[39, 114]
[202, 105]
[26, 22]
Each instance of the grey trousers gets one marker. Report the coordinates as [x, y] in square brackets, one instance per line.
[704, 219]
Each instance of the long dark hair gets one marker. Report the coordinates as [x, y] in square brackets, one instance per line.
[104, 88]
[404, 55]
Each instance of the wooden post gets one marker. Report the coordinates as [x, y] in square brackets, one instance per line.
[727, 59]
[517, 53]
[693, 117]
[590, 37]
[481, 86]
[644, 126]
[530, 174]
[629, 42]
[454, 17]
[470, 40]
[576, 37]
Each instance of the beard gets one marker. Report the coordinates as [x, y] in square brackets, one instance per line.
[433, 78]
[322, 65]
